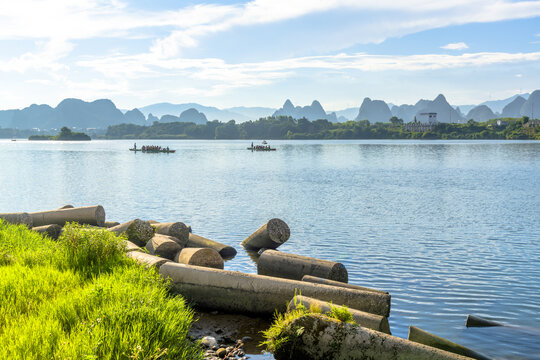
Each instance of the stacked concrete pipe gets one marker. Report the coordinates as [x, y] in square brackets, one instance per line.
[270, 236]
[291, 266]
[362, 318]
[248, 293]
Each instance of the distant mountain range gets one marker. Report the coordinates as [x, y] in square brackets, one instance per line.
[100, 114]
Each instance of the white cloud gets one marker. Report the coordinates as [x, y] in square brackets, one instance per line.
[519, 75]
[455, 46]
[221, 76]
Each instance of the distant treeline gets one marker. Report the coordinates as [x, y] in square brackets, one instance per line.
[283, 127]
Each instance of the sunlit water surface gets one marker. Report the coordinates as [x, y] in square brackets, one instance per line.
[448, 228]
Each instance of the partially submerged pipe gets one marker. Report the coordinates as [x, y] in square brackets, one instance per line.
[271, 235]
[292, 266]
[200, 257]
[423, 337]
[137, 231]
[53, 230]
[163, 246]
[110, 224]
[91, 215]
[18, 218]
[146, 259]
[179, 230]
[475, 321]
[362, 318]
[238, 292]
[324, 338]
[318, 280]
[196, 241]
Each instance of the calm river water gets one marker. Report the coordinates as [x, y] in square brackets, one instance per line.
[448, 228]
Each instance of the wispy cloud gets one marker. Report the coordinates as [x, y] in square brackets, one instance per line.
[455, 46]
[222, 76]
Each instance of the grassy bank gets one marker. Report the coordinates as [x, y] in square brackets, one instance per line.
[81, 298]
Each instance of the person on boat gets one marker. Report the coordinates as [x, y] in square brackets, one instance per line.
[135, 146]
[252, 144]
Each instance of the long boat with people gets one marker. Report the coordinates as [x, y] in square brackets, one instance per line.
[261, 147]
[152, 149]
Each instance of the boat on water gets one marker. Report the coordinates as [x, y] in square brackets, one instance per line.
[167, 151]
[261, 147]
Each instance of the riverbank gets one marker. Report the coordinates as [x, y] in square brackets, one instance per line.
[80, 297]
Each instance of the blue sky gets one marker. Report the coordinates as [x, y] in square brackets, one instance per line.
[261, 52]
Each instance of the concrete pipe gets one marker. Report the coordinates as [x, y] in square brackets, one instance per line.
[179, 230]
[110, 224]
[164, 246]
[423, 337]
[475, 321]
[53, 230]
[324, 338]
[271, 235]
[196, 241]
[370, 321]
[318, 280]
[238, 292]
[91, 215]
[131, 246]
[291, 266]
[200, 257]
[137, 231]
[66, 207]
[18, 218]
[146, 259]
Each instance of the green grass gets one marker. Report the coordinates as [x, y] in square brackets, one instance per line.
[81, 298]
[280, 332]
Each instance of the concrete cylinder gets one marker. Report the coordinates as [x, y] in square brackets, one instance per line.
[423, 337]
[318, 280]
[110, 224]
[196, 241]
[164, 246]
[179, 230]
[18, 218]
[146, 259]
[53, 230]
[475, 321]
[370, 321]
[137, 231]
[91, 215]
[291, 266]
[238, 292]
[131, 246]
[200, 257]
[323, 338]
[271, 235]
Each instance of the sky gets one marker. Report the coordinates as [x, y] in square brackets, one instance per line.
[262, 52]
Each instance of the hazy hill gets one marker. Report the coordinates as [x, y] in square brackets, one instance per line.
[212, 113]
[513, 108]
[253, 113]
[480, 113]
[531, 107]
[73, 113]
[439, 105]
[315, 111]
[347, 114]
[374, 111]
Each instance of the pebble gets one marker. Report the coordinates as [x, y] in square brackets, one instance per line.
[226, 352]
[221, 352]
[209, 341]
